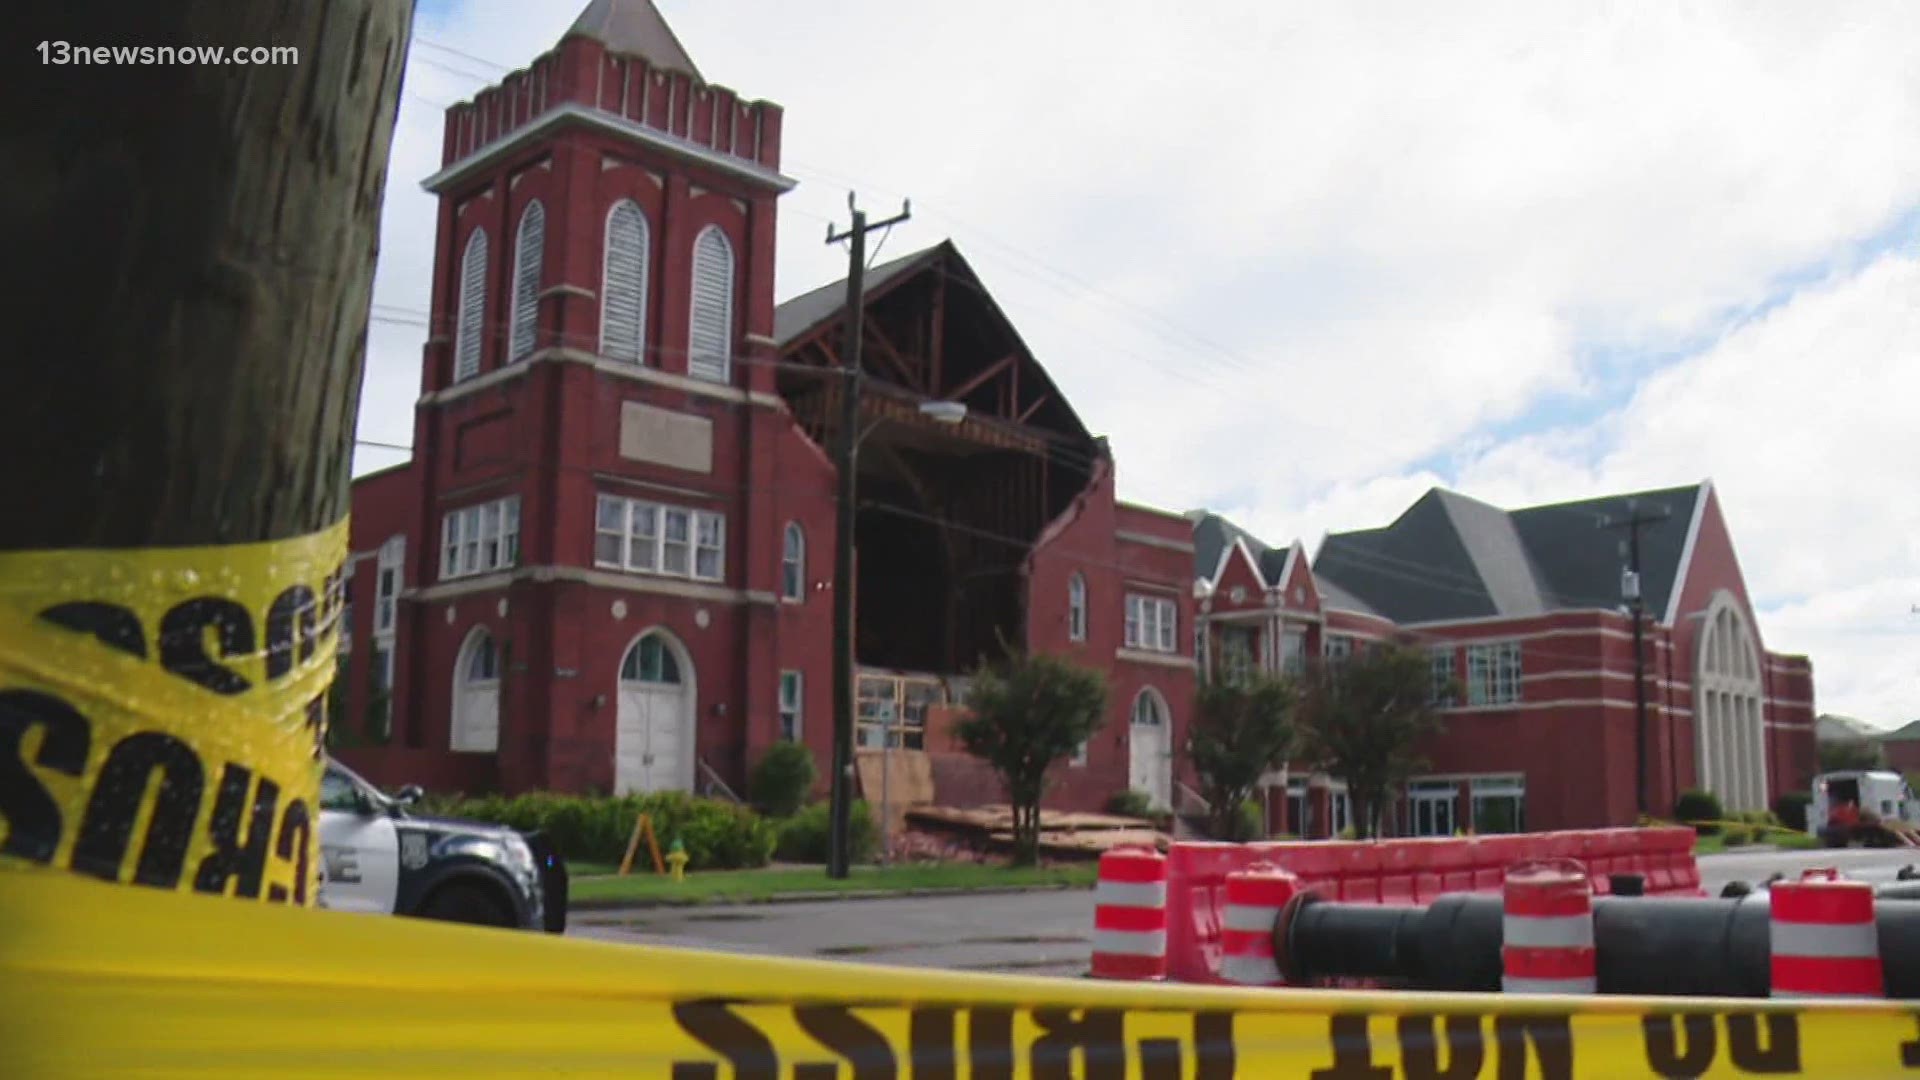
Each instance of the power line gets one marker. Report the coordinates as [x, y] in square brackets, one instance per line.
[588, 342]
[1080, 558]
[1219, 354]
[1233, 359]
[481, 60]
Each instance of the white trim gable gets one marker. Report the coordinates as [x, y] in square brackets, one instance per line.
[1296, 558]
[1686, 551]
[1239, 544]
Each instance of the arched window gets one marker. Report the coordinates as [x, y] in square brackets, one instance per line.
[476, 695]
[650, 661]
[623, 285]
[1728, 709]
[1077, 607]
[472, 315]
[710, 336]
[526, 280]
[793, 563]
[1150, 709]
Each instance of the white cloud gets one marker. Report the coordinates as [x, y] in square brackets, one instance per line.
[1407, 224]
[1804, 420]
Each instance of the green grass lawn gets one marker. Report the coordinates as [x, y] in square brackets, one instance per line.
[717, 886]
[1784, 839]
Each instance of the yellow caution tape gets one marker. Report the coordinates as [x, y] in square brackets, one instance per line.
[162, 712]
[97, 980]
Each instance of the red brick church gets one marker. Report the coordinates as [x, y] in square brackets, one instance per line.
[608, 564]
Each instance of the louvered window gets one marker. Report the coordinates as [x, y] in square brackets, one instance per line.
[473, 307]
[710, 341]
[623, 304]
[526, 280]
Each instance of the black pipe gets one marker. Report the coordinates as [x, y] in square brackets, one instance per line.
[1691, 947]
[1684, 947]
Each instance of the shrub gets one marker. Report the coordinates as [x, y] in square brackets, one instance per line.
[1734, 837]
[1131, 804]
[717, 835]
[1791, 808]
[782, 780]
[1694, 806]
[1249, 823]
[804, 837]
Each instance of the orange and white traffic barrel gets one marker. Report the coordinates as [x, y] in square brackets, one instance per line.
[1130, 915]
[1824, 940]
[1255, 898]
[1547, 929]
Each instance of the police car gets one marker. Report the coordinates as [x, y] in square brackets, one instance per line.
[379, 857]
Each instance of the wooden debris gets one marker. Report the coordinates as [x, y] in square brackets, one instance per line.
[1070, 834]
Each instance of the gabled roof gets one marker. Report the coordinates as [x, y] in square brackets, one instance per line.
[795, 317]
[1578, 563]
[1452, 557]
[1332, 596]
[1213, 535]
[1907, 732]
[973, 317]
[634, 28]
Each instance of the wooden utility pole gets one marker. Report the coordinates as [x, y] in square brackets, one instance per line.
[191, 252]
[192, 237]
[1631, 592]
[846, 462]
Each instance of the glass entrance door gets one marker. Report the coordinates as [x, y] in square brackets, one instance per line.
[1432, 808]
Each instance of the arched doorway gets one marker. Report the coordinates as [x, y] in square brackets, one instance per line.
[476, 695]
[1150, 748]
[653, 743]
[1728, 709]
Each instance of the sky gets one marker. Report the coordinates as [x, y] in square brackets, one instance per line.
[1302, 261]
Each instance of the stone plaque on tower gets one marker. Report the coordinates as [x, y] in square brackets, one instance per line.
[666, 437]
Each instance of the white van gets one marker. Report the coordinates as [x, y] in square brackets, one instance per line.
[1879, 792]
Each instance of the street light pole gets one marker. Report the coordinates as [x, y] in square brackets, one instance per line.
[846, 461]
[1636, 602]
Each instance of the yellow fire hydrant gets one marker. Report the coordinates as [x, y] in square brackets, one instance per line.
[677, 859]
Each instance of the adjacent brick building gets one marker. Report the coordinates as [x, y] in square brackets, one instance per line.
[1524, 611]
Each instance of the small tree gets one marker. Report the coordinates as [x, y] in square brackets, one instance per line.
[1242, 730]
[1362, 719]
[1026, 713]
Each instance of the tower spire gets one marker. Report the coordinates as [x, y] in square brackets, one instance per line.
[634, 28]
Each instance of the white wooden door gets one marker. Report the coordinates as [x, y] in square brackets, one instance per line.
[1149, 757]
[649, 747]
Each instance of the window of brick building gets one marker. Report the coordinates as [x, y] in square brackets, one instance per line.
[646, 537]
[1151, 623]
[1493, 673]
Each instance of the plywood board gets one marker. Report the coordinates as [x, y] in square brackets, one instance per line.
[904, 776]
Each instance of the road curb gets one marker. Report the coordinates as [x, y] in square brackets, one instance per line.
[814, 897]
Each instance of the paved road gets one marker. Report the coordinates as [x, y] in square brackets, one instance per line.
[1034, 933]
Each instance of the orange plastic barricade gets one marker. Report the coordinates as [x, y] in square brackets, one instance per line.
[1357, 865]
[1824, 939]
